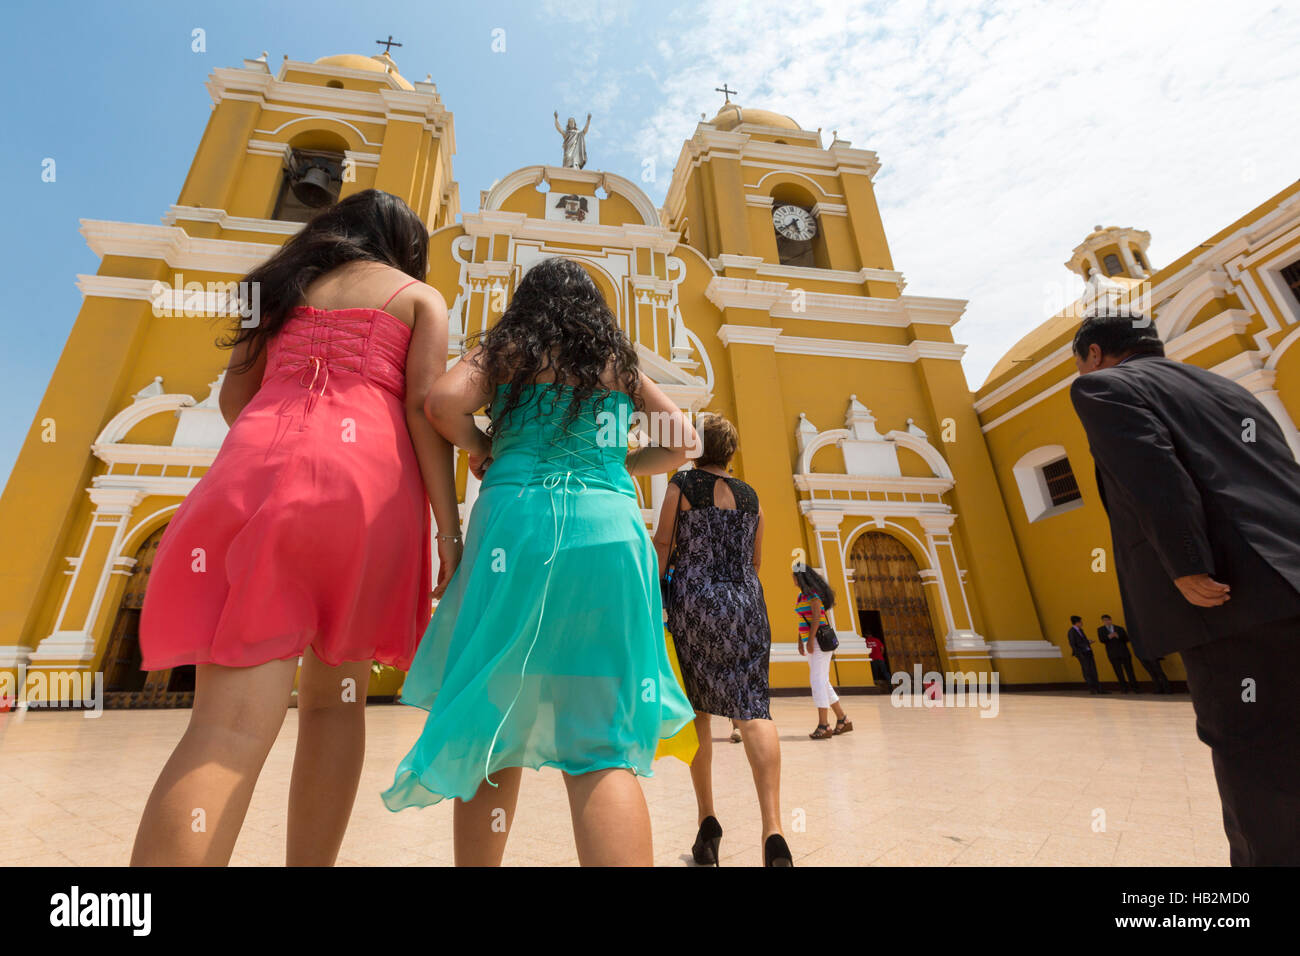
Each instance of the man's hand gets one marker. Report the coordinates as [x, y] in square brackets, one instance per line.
[1202, 590]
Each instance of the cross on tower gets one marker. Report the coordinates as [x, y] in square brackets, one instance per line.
[388, 44]
[725, 91]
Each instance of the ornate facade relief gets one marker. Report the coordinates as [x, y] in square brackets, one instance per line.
[872, 493]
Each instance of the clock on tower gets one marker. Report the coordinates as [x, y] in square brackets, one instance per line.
[796, 228]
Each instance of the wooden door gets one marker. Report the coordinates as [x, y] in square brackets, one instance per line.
[125, 685]
[886, 580]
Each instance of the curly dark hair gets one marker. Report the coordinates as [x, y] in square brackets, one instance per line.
[559, 325]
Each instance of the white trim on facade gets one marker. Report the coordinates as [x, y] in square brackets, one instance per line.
[174, 246]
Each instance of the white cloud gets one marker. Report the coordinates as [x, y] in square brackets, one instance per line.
[1008, 130]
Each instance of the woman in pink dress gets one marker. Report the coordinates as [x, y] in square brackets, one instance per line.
[308, 538]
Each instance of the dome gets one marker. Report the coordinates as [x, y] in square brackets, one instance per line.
[371, 64]
[1052, 333]
[732, 115]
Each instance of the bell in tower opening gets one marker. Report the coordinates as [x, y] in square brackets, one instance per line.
[312, 179]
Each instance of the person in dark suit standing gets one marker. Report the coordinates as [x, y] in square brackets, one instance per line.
[1115, 639]
[1081, 648]
[1152, 666]
[1203, 495]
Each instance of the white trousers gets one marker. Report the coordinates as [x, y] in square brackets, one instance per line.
[819, 675]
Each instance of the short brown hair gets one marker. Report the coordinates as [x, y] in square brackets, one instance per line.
[718, 438]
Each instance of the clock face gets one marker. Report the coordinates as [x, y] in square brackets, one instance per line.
[794, 222]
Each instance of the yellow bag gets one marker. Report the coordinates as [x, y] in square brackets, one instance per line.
[684, 743]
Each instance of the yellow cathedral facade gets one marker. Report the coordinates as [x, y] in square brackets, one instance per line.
[961, 529]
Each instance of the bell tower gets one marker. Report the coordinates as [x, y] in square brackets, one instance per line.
[812, 318]
[316, 132]
[120, 436]
[752, 183]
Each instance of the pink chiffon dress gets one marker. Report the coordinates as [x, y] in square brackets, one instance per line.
[311, 528]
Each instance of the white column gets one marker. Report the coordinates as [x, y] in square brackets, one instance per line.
[113, 509]
[826, 534]
[1134, 270]
[1260, 384]
[938, 533]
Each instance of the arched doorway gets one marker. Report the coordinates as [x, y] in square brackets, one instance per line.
[125, 685]
[891, 603]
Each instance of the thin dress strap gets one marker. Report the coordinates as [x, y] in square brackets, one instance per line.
[394, 295]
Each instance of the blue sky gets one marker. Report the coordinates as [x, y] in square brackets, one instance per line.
[1006, 130]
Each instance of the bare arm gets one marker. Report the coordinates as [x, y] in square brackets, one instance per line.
[588, 126]
[672, 437]
[453, 400]
[238, 388]
[426, 363]
[557, 124]
[667, 517]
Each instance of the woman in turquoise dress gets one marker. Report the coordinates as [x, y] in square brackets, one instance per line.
[547, 649]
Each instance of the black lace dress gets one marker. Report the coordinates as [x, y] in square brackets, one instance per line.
[716, 611]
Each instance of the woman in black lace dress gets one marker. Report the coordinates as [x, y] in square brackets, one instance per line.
[718, 619]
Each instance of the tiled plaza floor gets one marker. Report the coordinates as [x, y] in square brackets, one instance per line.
[1055, 779]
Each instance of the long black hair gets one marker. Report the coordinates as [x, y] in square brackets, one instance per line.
[371, 225]
[557, 323]
[812, 583]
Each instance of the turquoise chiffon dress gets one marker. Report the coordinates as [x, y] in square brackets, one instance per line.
[547, 649]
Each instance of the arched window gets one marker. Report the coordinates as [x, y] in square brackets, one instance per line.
[1046, 482]
[1112, 265]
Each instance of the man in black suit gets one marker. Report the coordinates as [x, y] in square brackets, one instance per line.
[1203, 494]
[1081, 648]
[1152, 666]
[1115, 640]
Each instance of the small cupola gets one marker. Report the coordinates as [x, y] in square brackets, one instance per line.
[1110, 252]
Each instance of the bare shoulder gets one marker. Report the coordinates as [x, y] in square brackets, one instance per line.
[427, 295]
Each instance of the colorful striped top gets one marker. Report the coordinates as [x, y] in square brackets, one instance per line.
[803, 607]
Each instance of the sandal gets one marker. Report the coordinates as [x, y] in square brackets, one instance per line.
[823, 732]
[842, 726]
[735, 736]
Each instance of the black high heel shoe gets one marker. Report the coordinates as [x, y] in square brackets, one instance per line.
[705, 850]
[776, 852]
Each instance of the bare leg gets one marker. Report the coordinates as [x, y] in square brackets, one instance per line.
[702, 767]
[327, 762]
[763, 748]
[198, 804]
[482, 825]
[611, 823]
[839, 711]
[823, 715]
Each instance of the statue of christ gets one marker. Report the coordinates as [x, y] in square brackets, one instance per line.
[575, 141]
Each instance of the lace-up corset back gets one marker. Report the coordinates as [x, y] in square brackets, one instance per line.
[318, 342]
[538, 442]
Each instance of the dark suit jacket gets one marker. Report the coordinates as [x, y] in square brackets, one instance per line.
[1116, 646]
[1186, 494]
[1079, 644]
